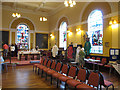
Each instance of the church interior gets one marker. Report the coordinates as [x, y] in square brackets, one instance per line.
[60, 44]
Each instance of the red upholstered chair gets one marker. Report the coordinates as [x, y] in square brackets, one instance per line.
[94, 80]
[47, 67]
[71, 75]
[40, 67]
[103, 62]
[84, 87]
[51, 68]
[57, 69]
[36, 65]
[35, 57]
[29, 57]
[22, 57]
[63, 72]
[81, 76]
[88, 57]
[105, 83]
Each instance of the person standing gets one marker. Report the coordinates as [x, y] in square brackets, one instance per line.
[1, 62]
[54, 51]
[87, 47]
[77, 54]
[16, 50]
[12, 48]
[5, 51]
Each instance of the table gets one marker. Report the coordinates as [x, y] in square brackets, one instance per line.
[92, 60]
[117, 67]
[27, 53]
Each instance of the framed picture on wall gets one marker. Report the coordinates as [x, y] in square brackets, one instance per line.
[42, 40]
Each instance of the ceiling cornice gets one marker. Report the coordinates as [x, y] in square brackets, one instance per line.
[25, 11]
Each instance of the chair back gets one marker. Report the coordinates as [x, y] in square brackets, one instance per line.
[65, 68]
[58, 67]
[53, 64]
[82, 73]
[42, 60]
[45, 62]
[93, 57]
[88, 57]
[49, 63]
[94, 79]
[72, 71]
[104, 61]
[97, 58]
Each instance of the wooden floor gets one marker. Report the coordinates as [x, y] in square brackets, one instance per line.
[24, 77]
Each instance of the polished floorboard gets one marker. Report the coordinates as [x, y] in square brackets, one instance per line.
[24, 77]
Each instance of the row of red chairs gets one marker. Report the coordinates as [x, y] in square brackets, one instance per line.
[71, 75]
[29, 57]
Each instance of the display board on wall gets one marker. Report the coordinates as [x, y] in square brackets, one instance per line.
[42, 40]
[5, 38]
[114, 54]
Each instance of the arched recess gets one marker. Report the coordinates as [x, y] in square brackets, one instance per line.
[16, 22]
[103, 6]
[60, 22]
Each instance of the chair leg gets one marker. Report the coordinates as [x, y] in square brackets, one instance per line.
[38, 71]
[42, 74]
[57, 82]
[46, 77]
[33, 68]
[51, 79]
[65, 85]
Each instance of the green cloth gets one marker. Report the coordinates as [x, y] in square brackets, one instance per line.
[87, 47]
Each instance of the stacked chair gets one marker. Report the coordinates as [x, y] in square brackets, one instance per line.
[71, 75]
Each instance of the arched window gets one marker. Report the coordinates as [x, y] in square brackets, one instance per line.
[95, 31]
[22, 36]
[63, 35]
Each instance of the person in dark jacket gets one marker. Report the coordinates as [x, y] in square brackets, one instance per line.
[16, 50]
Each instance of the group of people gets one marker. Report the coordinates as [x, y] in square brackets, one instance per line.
[11, 49]
[80, 52]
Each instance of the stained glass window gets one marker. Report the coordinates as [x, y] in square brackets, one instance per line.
[22, 36]
[63, 35]
[95, 31]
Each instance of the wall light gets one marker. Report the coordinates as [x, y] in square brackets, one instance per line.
[113, 23]
[79, 31]
[52, 36]
[16, 15]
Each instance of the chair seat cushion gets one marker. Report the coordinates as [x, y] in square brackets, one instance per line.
[107, 83]
[85, 87]
[57, 75]
[50, 72]
[46, 69]
[41, 67]
[73, 82]
[64, 78]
